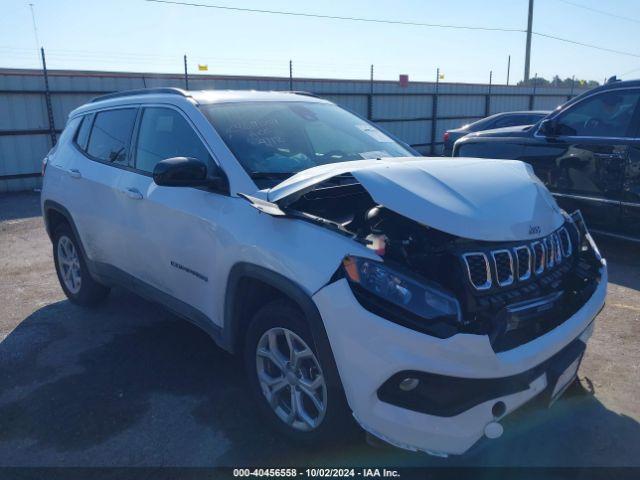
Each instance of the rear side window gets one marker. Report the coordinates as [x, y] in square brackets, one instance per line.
[110, 135]
[164, 133]
[82, 136]
[530, 120]
[509, 121]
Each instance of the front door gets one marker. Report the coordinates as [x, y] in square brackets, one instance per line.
[173, 238]
[584, 162]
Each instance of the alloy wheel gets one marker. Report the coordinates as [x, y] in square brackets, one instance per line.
[69, 264]
[291, 379]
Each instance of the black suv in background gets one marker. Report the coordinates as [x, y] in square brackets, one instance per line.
[498, 120]
[587, 152]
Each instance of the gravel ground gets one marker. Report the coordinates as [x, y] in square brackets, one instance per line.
[129, 384]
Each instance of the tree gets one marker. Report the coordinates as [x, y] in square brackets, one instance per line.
[556, 81]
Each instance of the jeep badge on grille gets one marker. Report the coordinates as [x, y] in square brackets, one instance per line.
[534, 229]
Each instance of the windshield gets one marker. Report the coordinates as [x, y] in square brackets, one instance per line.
[274, 140]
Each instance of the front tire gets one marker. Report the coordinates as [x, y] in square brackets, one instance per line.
[296, 389]
[73, 274]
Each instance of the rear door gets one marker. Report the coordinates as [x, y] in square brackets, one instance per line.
[98, 203]
[584, 163]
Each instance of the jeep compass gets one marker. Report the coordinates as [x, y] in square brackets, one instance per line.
[423, 299]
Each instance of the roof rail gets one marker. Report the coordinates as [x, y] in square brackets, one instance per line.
[141, 91]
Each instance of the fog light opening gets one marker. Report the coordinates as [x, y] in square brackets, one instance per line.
[498, 409]
[408, 384]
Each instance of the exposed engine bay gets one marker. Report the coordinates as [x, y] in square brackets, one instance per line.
[518, 305]
[394, 237]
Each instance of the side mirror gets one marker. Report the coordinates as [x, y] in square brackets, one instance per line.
[548, 128]
[185, 172]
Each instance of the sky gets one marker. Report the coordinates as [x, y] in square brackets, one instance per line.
[139, 36]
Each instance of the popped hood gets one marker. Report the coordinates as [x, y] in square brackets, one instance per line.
[480, 199]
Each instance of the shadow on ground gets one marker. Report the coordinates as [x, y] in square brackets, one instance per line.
[20, 205]
[626, 258]
[88, 387]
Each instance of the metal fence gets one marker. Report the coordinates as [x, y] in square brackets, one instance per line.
[34, 107]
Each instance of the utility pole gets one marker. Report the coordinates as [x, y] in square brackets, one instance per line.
[508, 68]
[527, 55]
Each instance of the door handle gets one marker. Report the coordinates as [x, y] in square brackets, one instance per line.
[74, 173]
[133, 193]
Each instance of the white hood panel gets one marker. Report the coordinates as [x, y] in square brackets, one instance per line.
[480, 199]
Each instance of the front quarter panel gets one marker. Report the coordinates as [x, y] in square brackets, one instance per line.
[305, 253]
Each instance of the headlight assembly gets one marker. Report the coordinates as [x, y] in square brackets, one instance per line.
[392, 288]
[586, 239]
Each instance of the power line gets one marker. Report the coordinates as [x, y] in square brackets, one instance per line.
[393, 22]
[630, 71]
[336, 17]
[35, 27]
[275, 65]
[589, 45]
[602, 12]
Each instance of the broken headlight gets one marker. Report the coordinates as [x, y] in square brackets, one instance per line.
[587, 241]
[400, 290]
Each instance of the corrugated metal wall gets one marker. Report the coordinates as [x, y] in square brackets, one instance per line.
[404, 111]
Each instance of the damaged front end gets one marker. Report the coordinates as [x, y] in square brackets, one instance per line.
[442, 283]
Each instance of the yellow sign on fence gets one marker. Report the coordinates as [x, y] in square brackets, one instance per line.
[203, 68]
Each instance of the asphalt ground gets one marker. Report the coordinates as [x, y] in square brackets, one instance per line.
[130, 384]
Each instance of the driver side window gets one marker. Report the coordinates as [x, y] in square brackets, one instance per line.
[608, 114]
[163, 134]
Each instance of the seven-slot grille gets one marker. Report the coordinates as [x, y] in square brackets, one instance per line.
[502, 267]
[478, 270]
[503, 263]
[523, 262]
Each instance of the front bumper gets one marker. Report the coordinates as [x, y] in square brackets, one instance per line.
[369, 350]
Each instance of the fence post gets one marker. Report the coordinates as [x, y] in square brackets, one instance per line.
[370, 96]
[487, 98]
[533, 96]
[434, 113]
[573, 82]
[186, 75]
[290, 75]
[47, 96]
[508, 68]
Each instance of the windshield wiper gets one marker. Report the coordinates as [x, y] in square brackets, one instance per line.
[271, 175]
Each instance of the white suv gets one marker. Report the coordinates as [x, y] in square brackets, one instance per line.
[426, 298]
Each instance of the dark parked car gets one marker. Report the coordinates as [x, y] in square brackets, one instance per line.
[499, 120]
[587, 152]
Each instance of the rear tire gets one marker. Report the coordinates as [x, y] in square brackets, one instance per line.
[299, 394]
[74, 277]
